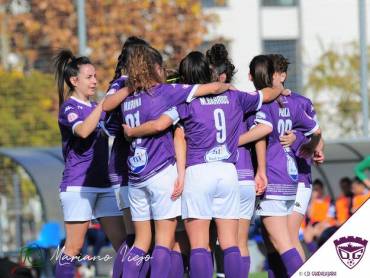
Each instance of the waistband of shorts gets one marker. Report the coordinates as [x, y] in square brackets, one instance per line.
[153, 178]
[247, 182]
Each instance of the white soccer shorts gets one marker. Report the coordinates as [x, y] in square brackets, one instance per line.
[269, 207]
[211, 191]
[122, 197]
[85, 206]
[247, 199]
[151, 199]
[302, 198]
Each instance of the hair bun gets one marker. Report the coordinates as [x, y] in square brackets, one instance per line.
[217, 54]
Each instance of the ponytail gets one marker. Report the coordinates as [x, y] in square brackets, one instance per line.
[123, 57]
[66, 66]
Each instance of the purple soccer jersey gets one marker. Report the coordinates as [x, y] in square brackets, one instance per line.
[244, 165]
[149, 155]
[117, 84]
[117, 167]
[282, 172]
[86, 160]
[212, 125]
[304, 165]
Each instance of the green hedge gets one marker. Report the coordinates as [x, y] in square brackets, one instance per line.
[28, 109]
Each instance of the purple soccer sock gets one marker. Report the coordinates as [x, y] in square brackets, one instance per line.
[270, 273]
[161, 260]
[146, 266]
[312, 247]
[210, 261]
[276, 266]
[245, 266]
[177, 265]
[121, 253]
[133, 263]
[65, 267]
[200, 260]
[232, 260]
[292, 261]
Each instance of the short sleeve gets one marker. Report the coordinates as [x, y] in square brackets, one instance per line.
[173, 114]
[300, 139]
[304, 123]
[263, 116]
[183, 110]
[180, 93]
[250, 120]
[310, 110]
[250, 101]
[70, 117]
[117, 85]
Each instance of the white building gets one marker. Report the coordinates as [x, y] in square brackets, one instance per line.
[298, 29]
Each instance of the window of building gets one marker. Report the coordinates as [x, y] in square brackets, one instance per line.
[289, 49]
[279, 3]
[214, 3]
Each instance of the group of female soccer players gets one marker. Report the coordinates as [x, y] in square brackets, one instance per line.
[186, 164]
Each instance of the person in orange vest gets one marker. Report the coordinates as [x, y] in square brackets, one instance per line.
[320, 216]
[343, 204]
[360, 194]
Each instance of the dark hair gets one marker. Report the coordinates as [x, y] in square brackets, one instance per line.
[218, 58]
[141, 67]
[66, 66]
[194, 69]
[357, 180]
[126, 49]
[319, 183]
[280, 62]
[345, 180]
[261, 69]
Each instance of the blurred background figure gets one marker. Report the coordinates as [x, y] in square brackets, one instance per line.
[343, 203]
[320, 217]
[360, 170]
[360, 194]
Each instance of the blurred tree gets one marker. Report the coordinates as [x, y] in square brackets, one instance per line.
[173, 26]
[28, 109]
[334, 84]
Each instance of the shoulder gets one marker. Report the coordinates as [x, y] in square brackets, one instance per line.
[68, 105]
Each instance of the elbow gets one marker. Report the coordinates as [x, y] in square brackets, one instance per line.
[80, 132]
[159, 127]
[105, 107]
[268, 130]
[83, 135]
[317, 132]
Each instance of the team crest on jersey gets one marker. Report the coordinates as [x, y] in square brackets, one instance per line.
[72, 117]
[138, 161]
[350, 250]
[217, 153]
[292, 168]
